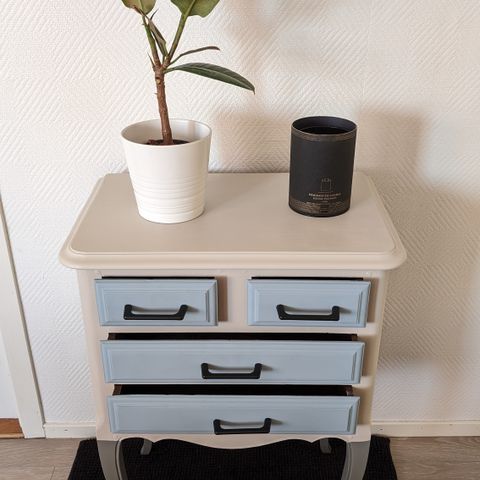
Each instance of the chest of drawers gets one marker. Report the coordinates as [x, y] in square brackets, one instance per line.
[248, 325]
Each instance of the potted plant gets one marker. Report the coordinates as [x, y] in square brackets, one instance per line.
[167, 158]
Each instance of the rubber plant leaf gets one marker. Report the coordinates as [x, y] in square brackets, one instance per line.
[159, 39]
[195, 7]
[190, 52]
[145, 6]
[216, 73]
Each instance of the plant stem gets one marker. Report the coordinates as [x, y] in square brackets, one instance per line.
[159, 70]
[162, 107]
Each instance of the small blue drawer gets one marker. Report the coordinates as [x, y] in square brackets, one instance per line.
[232, 361]
[233, 414]
[308, 303]
[154, 302]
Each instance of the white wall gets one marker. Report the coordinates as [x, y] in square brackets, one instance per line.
[8, 406]
[75, 73]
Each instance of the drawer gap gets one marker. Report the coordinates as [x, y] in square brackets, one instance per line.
[156, 278]
[320, 337]
[310, 278]
[301, 390]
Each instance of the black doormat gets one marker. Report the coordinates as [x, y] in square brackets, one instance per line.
[288, 460]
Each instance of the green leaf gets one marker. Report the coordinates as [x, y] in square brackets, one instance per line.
[195, 7]
[189, 52]
[144, 6]
[159, 39]
[216, 73]
[153, 31]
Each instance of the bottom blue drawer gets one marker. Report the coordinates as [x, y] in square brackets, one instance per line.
[233, 414]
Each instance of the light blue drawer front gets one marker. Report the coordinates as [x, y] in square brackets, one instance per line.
[196, 413]
[292, 362]
[335, 303]
[157, 302]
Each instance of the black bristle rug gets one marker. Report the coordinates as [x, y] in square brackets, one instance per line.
[288, 460]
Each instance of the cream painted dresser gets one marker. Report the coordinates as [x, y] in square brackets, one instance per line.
[248, 325]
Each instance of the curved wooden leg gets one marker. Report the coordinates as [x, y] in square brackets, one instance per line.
[146, 447]
[111, 458]
[325, 446]
[355, 460]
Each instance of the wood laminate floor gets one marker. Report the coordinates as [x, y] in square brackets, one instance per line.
[444, 458]
[10, 428]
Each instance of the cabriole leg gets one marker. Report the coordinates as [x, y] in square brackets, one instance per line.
[146, 447]
[325, 445]
[355, 460]
[111, 458]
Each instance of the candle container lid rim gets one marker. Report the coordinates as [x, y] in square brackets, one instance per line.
[346, 129]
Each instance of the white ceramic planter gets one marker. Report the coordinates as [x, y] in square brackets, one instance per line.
[169, 181]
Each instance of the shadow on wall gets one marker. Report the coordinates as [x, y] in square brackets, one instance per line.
[258, 132]
[429, 313]
[259, 142]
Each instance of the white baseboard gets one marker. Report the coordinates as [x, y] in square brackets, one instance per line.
[427, 429]
[390, 429]
[70, 430]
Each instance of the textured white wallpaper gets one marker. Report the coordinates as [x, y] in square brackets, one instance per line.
[74, 73]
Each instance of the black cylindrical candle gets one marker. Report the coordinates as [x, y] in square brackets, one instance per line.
[321, 165]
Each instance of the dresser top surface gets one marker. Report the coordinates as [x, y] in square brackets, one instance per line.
[247, 223]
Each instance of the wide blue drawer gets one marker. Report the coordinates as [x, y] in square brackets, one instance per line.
[232, 361]
[232, 414]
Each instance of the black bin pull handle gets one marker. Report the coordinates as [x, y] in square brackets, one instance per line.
[219, 430]
[334, 316]
[254, 374]
[177, 316]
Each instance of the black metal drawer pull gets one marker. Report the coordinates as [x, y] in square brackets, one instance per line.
[129, 315]
[255, 373]
[329, 317]
[219, 430]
